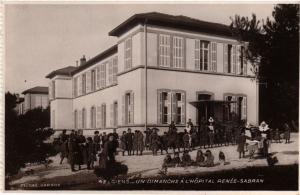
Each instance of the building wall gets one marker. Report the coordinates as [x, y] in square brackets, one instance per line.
[35, 100]
[61, 114]
[193, 82]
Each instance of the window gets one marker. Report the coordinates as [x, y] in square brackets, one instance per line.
[166, 111]
[83, 118]
[171, 106]
[164, 50]
[75, 119]
[237, 109]
[115, 114]
[241, 65]
[93, 117]
[242, 107]
[128, 54]
[178, 102]
[229, 58]
[103, 115]
[178, 52]
[93, 80]
[102, 75]
[201, 55]
[83, 83]
[75, 86]
[128, 108]
[115, 69]
[110, 72]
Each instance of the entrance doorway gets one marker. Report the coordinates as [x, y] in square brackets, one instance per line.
[204, 110]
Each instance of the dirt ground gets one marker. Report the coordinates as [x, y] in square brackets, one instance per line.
[57, 176]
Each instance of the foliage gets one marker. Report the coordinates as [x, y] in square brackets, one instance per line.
[273, 51]
[25, 136]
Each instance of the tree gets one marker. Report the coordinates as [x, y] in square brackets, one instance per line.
[25, 136]
[273, 50]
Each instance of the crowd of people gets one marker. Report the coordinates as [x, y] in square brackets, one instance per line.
[102, 147]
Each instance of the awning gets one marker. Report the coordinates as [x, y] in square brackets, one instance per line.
[210, 102]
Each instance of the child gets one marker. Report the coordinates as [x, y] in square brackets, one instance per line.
[200, 157]
[176, 159]
[241, 145]
[186, 159]
[186, 141]
[222, 158]
[168, 162]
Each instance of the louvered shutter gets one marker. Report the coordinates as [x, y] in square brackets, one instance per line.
[98, 77]
[197, 54]
[159, 107]
[233, 105]
[214, 56]
[225, 59]
[88, 81]
[169, 105]
[79, 119]
[73, 87]
[123, 110]
[103, 115]
[111, 115]
[98, 118]
[80, 84]
[132, 107]
[115, 69]
[233, 62]
[244, 108]
[245, 63]
[238, 60]
[174, 107]
[183, 108]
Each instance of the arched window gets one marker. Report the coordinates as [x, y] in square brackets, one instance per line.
[75, 119]
[93, 117]
[83, 118]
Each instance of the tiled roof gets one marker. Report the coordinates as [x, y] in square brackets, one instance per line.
[63, 71]
[36, 90]
[177, 22]
[110, 51]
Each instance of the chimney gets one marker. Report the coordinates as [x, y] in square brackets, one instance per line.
[82, 60]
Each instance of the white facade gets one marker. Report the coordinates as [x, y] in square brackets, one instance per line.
[180, 65]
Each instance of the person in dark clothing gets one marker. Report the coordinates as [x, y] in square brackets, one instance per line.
[200, 157]
[91, 153]
[135, 142]
[241, 145]
[110, 149]
[104, 139]
[176, 160]
[97, 140]
[63, 151]
[73, 151]
[129, 141]
[186, 159]
[172, 127]
[123, 142]
[82, 155]
[287, 133]
[154, 142]
[63, 136]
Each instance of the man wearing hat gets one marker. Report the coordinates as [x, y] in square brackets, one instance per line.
[211, 131]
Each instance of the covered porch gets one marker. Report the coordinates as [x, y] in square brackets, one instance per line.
[220, 110]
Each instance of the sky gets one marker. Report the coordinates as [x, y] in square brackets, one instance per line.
[42, 38]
